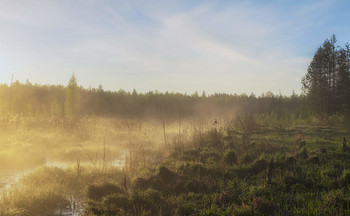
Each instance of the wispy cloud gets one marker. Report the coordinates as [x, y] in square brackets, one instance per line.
[213, 46]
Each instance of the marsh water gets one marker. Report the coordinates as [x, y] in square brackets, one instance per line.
[10, 177]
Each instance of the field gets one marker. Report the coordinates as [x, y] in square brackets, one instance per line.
[184, 108]
[248, 165]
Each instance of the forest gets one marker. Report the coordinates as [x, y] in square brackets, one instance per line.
[70, 150]
[49, 100]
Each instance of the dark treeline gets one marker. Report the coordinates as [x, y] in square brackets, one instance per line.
[31, 99]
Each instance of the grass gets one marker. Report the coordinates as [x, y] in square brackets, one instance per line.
[292, 169]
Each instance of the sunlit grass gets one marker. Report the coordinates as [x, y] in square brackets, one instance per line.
[193, 168]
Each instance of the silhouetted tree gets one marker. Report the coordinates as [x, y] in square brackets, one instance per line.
[343, 79]
[320, 82]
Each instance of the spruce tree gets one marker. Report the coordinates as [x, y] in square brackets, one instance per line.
[72, 102]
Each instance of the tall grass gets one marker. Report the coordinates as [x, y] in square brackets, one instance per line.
[247, 166]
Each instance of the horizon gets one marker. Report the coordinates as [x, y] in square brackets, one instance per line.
[263, 94]
[235, 47]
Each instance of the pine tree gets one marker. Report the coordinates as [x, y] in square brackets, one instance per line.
[343, 79]
[71, 105]
[319, 84]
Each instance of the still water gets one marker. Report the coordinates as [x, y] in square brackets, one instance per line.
[10, 177]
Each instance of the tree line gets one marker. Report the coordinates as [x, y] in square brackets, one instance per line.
[71, 100]
[326, 90]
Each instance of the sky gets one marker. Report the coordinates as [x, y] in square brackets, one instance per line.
[175, 46]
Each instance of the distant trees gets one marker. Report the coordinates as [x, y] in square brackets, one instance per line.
[327, 81]
[72, 102]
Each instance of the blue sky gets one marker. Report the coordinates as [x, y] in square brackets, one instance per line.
[181, 46]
